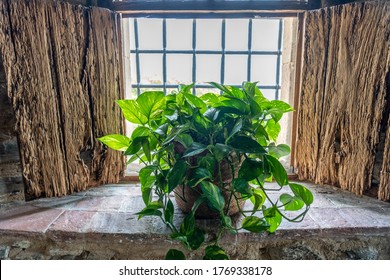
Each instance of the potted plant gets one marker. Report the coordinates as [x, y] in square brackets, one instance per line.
[213, 152]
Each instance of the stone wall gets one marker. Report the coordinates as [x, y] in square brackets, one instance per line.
[331, 247]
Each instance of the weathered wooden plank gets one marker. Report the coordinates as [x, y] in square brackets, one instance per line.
[338, 142]
[62, 72]
[312, 90]
[68, 27]
[104, 83]
[384, 185]
[35, 99]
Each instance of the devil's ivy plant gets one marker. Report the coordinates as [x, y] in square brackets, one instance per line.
[210, 129]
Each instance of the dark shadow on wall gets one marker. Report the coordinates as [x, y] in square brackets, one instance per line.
[11, 182]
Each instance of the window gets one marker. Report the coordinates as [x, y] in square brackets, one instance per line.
[165, 52]
[160, 52]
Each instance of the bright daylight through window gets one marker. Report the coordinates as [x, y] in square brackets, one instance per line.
[161, 53]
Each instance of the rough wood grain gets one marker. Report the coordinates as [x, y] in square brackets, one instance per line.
[384, 184]
[103, 79]
[311, 97]
[61, 82]
[343, 94]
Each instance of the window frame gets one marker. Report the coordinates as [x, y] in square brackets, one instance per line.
[223, 52]
[209, 9]
[221, 9]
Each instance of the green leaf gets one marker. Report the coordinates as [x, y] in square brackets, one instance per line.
[174, 254]
[210, 98]
[214, 252]
[172, 117]
[250, 169]
[175, 132]
[150, 104]
[116, 141]
[291, 203]
[234, 92]
[147, 190]
[162, 129]
[135, 146]
[195, 102]
[176, 174]
[278, 171]
[131, 111]
[140, 131]
[198, 175]
[208, 162]
[185, 139]
[149, 212]
[258, 198]
[279, 150]
[227, 221]
[247, 145]
[233, 106]
[272, 129]
[147, 182]
[241, 185]
[196, 239]
[236, 128]
[220, 87]
[146, 148]
[220, 151]
[195, 149]
[214, 196]
[145, 172]
[273, 217]
[169, 212]
[255, 224]
[302, 192]
[187, 227]
[212, 114]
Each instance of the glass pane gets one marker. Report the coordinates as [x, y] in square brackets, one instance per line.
[265, 34]
[179, 34]
[208, 67]
[268, 93]
[201, 91]
[179, 68]
[237, 34]
[150, 34]
[263, 69]
[208, 34]
[235, 69]
[133, 69]
[151, 68]
[128, 28]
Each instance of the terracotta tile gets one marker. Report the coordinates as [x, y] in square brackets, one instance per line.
[367, 217]
[321, 202]
[65, 202]
[28, 218]
[119, 223]
[73, 221]
[328, 218]
[99, 203]
[116, 190]
[131, 204]
[307, 224]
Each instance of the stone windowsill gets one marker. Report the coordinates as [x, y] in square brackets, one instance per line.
[101, 224]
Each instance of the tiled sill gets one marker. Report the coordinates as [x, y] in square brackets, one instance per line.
[106, 214]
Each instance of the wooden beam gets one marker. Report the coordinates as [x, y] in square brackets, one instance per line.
[209, 9]
[297, 88]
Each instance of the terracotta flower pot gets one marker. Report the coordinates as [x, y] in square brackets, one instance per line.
[186, 196]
